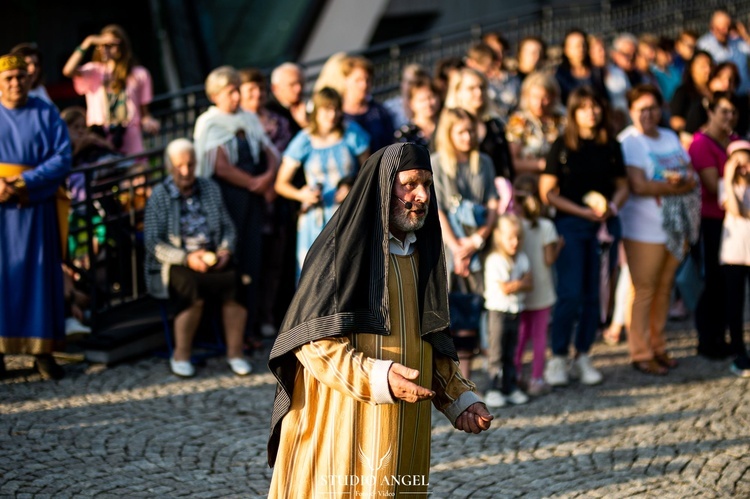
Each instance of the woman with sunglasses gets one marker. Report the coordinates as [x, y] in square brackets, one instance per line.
[117, 90]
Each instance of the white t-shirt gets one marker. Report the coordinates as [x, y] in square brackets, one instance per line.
[735, 235]
[534, 241]
[641, 216]
[497, 270]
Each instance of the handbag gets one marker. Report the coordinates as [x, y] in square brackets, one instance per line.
[689, 281]
[465, 310]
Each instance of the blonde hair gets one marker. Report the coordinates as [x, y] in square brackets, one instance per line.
[350, 63]
[220, 78]
[543, 80]
[507, 218]
[331, 74]
[444, 145]
[452, 100]
[124, 64]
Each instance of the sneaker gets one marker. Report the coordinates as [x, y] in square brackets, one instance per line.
[517, 397]
[182, 368]
[74, 327]
[494, 398]
[46, 366]
[583, 370]
[538, 387]
[240, 366]
[556, 372]
[741, 367]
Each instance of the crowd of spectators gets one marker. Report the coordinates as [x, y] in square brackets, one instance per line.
[617, 152]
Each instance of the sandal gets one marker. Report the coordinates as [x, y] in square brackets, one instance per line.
[665, 360]
[650, 367]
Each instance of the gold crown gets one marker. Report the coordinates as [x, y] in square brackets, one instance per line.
[9, 62]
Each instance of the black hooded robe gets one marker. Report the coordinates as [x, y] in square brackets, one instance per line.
[335, 429]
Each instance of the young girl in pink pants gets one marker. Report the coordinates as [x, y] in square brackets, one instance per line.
[542, 245]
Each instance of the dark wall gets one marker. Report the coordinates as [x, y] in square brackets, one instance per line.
[58, 27]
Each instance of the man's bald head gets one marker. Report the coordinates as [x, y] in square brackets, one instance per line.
[287, 83]
[721, 24]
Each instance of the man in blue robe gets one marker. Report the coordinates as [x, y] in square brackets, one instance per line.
[35, 158]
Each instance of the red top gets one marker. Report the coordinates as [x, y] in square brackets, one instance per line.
[706, 153]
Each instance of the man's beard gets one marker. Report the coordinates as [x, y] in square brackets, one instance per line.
[400, 219]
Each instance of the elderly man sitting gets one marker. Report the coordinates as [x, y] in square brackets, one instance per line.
[189, 241]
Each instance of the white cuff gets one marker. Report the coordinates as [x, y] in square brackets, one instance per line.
[379, 386]
[467, 398]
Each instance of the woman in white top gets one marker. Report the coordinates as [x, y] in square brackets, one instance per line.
[735, 247]
[232, 148]
[662, 183]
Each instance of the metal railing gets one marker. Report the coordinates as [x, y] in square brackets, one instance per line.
[107, 228]
[117, 190]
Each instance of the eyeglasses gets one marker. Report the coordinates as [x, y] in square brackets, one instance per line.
[649, 109]
[109, 46]
[726, 110]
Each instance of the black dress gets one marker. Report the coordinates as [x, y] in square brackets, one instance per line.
[246, 210]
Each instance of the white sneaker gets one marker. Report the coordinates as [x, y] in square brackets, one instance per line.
[240, 366]
[73, 327]
[581, 368]
[182, 368]
[493, 398]
[517, 397]
[556, 372]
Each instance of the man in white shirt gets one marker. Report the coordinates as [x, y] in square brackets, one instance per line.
[724, 45]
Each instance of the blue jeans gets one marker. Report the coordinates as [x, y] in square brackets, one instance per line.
[577, 270]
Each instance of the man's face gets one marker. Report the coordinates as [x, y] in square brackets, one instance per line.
[288, 90]
[410, 186]
[685, 46]
[720, 26]
[13, 87]
[624, 55]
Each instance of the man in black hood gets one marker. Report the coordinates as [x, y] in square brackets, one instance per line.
[365, 345]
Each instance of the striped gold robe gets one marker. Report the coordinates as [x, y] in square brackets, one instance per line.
[335, 442]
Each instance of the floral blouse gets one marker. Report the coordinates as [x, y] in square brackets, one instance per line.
[535, 135]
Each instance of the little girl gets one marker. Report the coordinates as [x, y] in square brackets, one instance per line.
[506, 279]
[734, 257]
[541, 245]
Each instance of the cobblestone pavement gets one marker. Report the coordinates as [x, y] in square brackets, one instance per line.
[135, 430]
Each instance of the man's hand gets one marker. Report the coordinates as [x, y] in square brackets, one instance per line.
[589, 214]
[6, 190]
[403, 389]
[475, 419]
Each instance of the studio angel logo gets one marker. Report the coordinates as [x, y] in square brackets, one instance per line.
[369, 462]
[375, 479]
